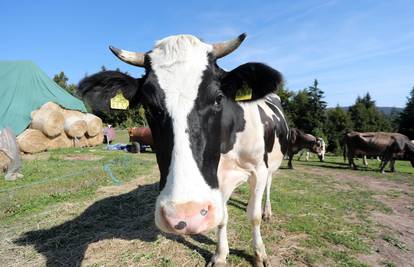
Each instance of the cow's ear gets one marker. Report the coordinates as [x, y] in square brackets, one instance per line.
[98, 90]
[260, 78]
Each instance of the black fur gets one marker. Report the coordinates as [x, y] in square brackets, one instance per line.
[204, 124]
[261, 78]
[282, 130]
[269, 127]
[98, 89]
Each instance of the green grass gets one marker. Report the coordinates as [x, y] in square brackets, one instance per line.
[317, 221]
[62, 178]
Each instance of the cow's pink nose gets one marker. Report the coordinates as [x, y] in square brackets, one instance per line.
[188, 218]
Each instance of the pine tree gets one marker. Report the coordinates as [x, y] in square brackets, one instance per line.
[366, 117]
[308, 110]
[62, 80]
[407, 117]
[338, 123]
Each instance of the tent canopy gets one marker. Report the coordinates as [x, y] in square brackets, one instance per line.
[24, 87]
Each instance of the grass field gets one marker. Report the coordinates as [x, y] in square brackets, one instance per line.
[69, 211]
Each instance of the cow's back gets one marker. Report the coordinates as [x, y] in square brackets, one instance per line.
[371, 143]
[264, 138]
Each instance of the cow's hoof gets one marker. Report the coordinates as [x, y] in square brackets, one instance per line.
[212, 263]
[217, 262]
[262, 262]
[266, 216]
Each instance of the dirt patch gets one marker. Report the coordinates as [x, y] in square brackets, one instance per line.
[395, 231]
[85, 157]
[37, 156]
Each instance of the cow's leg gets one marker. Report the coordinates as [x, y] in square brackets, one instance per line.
[301, 154]
[383, 164]
[307, 156]
[222, 250]
[351, 161]
[364, 159]
[392, 165]
[267, 211]
[257, 183]
[229, 180]
[290, 160]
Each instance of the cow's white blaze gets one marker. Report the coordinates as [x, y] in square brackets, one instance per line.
[179, 62]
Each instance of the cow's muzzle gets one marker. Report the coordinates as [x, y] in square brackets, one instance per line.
[186, 218]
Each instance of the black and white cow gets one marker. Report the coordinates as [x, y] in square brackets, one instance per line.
[206, 144]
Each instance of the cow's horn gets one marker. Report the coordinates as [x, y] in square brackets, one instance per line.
[133, 58]
[223, 49]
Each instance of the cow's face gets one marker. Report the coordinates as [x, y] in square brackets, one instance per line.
[182, 96]
[320, 148]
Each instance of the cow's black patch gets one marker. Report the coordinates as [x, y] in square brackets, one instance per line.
[98, 89]
[282, 130]
[212, 124]
[261, 78]
[269, 128]
[160, 123]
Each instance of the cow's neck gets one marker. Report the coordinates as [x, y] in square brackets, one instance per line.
[232, 122]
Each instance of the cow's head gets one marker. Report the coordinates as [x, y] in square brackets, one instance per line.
[320, 148]
[190, 108]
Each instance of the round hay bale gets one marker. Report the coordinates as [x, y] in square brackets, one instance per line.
[32, 141]
[81, 142]
[96, 140]
[51, 105]
[61, 141]
[72, 113]
[4, 161]
[75, 127]
[94, 124]
[49, 121]
[32, 114]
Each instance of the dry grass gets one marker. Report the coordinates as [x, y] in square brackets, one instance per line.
[323, 218]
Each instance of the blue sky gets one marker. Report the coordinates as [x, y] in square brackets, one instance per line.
[351, 47]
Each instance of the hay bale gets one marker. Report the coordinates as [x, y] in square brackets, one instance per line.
[81, 142]
[61, 141]
[94, 124]
[74, 126]
[32, 141]
[96, 140]
[4, 161]
[52, 106]
[48, 121]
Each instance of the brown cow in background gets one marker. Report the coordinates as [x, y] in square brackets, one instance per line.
[389, 146]
[298, 140]
[141, 135]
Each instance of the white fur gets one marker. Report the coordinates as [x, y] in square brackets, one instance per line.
[245, 163]
[179, 62]
[283, 115]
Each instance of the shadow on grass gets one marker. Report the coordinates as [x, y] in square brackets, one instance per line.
[237, 204]
[128, 216]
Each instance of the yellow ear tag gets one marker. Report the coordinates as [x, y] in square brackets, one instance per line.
[244, 97]
[119, 101]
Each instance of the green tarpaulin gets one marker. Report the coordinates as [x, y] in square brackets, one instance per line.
[24, 87]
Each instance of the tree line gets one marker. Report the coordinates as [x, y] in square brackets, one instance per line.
[307, 110]
[304, 109]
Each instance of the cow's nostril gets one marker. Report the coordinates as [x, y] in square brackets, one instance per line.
[203, 212]
[181, 225]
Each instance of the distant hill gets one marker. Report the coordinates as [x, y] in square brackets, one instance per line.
[386, 110]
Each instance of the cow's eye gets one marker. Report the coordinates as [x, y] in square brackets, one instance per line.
[217, 102]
